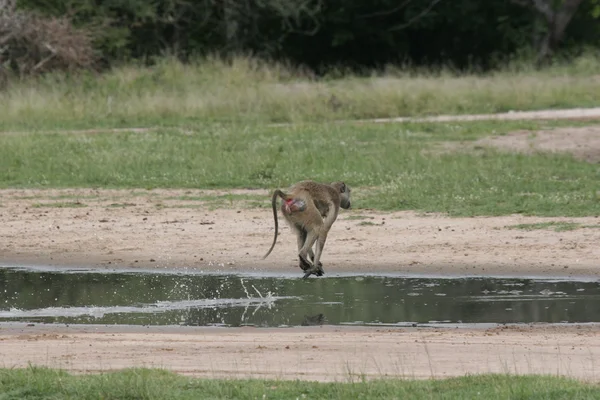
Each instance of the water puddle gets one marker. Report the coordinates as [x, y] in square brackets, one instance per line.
[151, 298]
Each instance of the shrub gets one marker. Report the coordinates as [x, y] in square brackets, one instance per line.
[32, 44]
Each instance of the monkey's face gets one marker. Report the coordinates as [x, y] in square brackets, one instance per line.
[345, 203]
[345, 196]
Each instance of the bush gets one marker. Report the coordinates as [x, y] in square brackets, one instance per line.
[32, 44]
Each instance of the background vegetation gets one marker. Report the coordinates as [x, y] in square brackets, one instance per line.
[317, 34]
[175, 67]
[172, 93]
[209, 75]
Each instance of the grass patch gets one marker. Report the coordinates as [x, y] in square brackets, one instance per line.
[213, 202]
[120, 205]
[258, 204]
[70, 204]
[223, 197]
[253, 91]
[393, 160]
[193, 206]
[556, 226]
[36, 383]
[57, 197]
[366, 223]
[369, 223]
[188, 198]
[357, 217]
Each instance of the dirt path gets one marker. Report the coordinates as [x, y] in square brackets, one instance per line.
[322, 354]
[583, 114]
[572, 113]
[156, 229]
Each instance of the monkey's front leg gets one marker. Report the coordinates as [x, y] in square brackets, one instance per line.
[310, 268]
[312, 271]
[319, 264]
[318, 251]
[304, 263]
[306, 249]
[318, 271]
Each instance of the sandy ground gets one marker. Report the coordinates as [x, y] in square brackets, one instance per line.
[310, 353]
[155, 229]
[180, 229]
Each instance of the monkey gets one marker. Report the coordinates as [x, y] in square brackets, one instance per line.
[310, 209]
[307, 211]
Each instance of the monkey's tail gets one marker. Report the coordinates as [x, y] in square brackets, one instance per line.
[276, 193]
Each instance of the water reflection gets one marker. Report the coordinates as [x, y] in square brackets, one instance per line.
[162, 299]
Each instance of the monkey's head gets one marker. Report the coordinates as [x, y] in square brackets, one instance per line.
[344, 194]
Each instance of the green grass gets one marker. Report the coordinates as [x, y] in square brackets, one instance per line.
[396, 164]
[556, 226]
[42, 383]
[248, 90]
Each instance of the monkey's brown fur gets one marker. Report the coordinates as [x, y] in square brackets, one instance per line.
[310, 208]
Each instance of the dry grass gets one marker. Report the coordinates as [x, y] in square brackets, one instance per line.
[251, 91]
[31, 44]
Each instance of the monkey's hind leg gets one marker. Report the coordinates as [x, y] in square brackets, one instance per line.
[301, 234]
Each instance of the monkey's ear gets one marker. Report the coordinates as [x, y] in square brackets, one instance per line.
[342, 187]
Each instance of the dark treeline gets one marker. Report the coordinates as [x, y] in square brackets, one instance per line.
[325, 33]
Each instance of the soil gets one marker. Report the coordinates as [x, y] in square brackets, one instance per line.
[155, 229]
[180, 229]
[583, 143]
[308, 353]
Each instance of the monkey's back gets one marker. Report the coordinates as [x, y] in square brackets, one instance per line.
[320, 192]
[320, 200]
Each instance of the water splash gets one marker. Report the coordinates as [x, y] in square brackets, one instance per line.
[158, 307]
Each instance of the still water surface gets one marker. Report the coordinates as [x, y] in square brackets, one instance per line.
[152, 298]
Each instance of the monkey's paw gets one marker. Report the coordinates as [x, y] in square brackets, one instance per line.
[305, 265]
[314, 270]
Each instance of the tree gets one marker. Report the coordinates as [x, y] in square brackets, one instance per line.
[557, 14]
[264, 24]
